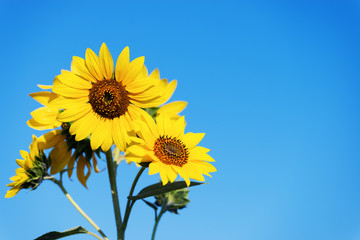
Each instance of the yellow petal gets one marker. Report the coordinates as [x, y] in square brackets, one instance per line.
[80, 170]
[164, 177]
[24, 154]
[122, 64]
[64, 102]
[70, 166]
[192, 172]
[178, 127]
[170, 173]
[192, 139]
[119, 133]
[50, 139]
[199, 153]
[12, 192]
[172, 108]
[21, 163]
[182, 173]
[106, 62]
[60, 157]
[95, 163]
[72, 114]
[98, 135]
[78, 67]
[108, 140]
[164, 125]
[135, 68]
[66, 91]
[41, 126]
[203, 167]
[155, 74]
[139, 85]
[138, 150]
[84, 126]
[154, 167]
[34, 149]
[45, 87]
[169, 90]
[93, 64]
[72, 80]
[45, 115]
[43, 97]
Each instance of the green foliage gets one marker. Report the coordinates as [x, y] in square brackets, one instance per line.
[159, 188]
[56, 235]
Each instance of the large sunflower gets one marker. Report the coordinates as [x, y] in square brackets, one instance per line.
[103, 103]
[169, 150]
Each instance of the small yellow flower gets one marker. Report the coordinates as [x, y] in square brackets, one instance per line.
[33, 167]
[169, 151]
[103, 101]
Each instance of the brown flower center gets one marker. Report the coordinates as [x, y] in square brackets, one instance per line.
[109, 99]
[171, 151]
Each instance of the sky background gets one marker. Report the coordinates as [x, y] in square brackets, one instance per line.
[273, 84]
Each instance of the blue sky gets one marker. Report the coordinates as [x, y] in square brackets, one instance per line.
[273, 84]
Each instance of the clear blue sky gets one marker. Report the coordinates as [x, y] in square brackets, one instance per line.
[273, 84]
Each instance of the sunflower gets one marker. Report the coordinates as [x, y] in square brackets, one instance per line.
[103, 102]
[33, 167]
[169, 151]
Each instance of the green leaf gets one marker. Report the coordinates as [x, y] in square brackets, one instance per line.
[158, 188]
[56, 235]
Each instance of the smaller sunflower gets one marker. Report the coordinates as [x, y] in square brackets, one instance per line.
[33, 167]
[169, 151]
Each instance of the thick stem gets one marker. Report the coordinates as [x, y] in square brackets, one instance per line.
[130, 203]
[114, 193]
[77, 206]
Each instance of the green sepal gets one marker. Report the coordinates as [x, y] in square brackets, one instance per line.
[153, 206]
[56, 235]
[144, 164]
[158, 188]
[152, 111]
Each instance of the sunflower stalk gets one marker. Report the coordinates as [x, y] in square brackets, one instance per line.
[130, 203]
[59, 183]
[114, 193]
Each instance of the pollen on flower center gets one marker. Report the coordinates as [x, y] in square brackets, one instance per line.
[109, 99]
[171, 151]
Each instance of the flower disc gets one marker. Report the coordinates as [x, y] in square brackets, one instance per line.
[109, 99]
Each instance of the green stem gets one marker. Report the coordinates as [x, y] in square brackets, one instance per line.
[114, 193]
[157, 220]
[130, 203]
[77, 206]
[93, 234]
